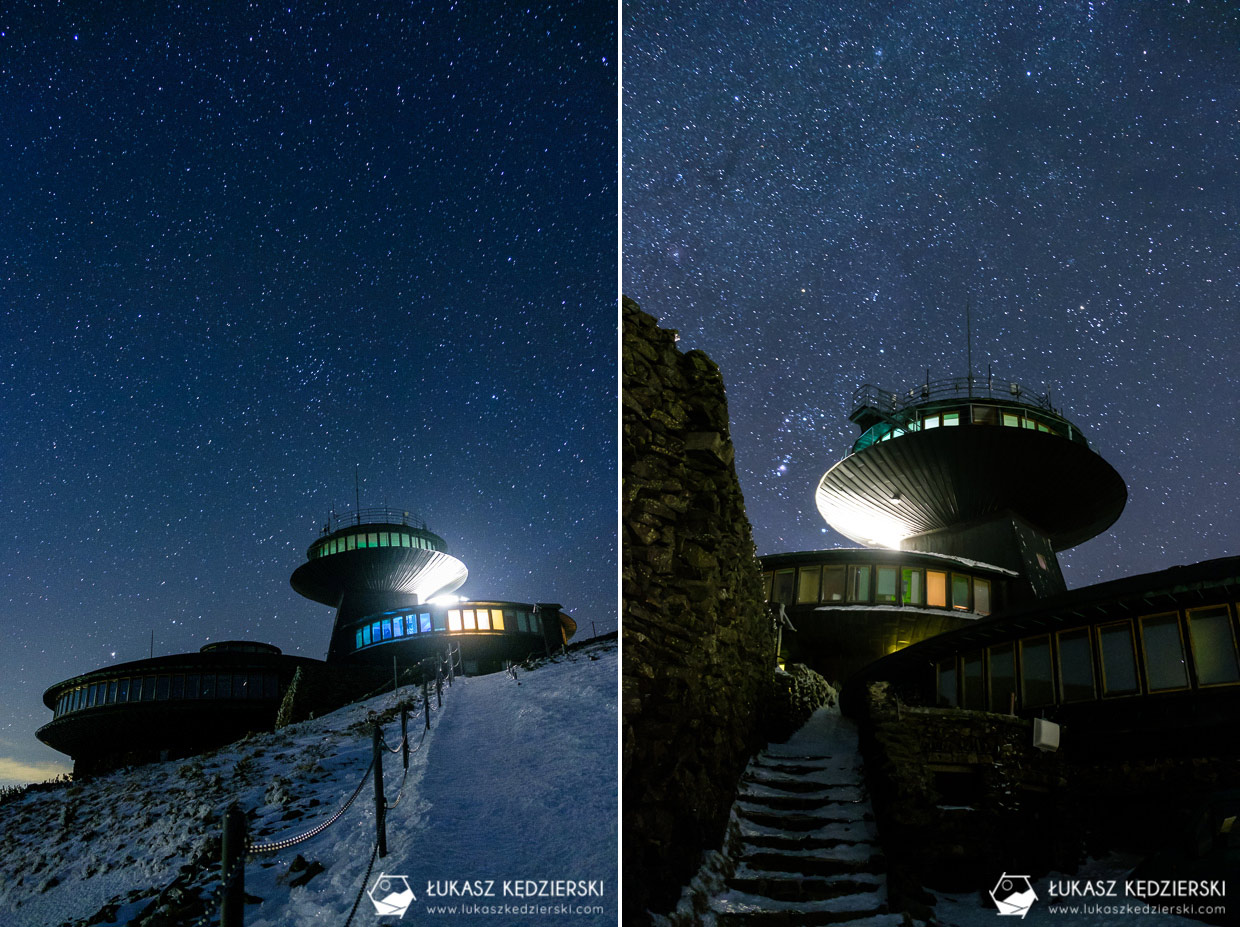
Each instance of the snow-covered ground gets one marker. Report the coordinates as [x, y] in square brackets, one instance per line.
[513, 790]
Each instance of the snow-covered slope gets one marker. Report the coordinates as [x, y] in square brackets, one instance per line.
[514, 785]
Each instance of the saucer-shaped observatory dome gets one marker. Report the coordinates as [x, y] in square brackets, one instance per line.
[376, 559]
[970, 468]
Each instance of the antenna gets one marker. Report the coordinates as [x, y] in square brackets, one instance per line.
[968, 338]
[357, 494]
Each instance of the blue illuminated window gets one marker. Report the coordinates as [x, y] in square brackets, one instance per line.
[376, 632]
[358, 641]
[411, 624]
[424, 621]
[398, 626]
[386, 624]
[366, 634]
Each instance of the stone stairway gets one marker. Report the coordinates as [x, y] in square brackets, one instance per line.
[810, 853]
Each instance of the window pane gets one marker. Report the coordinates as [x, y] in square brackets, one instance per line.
[783, 586]
[834, 583]
[223, 685]
[1002, 677]
[385, 539]
[440, 621]
[536, 624]
[148, 688]
[1164, 652]
[178, 686]
[122, 690]
[1035, 671]
[522, 621]
[913, 587]
[936, 589]
[1214, 646]
[859, 583]
[985, 415]
[111, 700]
[484, 619]
[454, 619]
[973, 694]
[386, 627]
[885, 584]
[256, 685]
[960, 591]
[398, 626]
[366, 635]
[1010, 420]
[424, 622]
[807, 584]
[497, 619]
[351, 542]
[162, 685]
[1076, 666]
[271, 685]
[411, 624]
[208, 685]
[92, 693]
[930, 421]
[947, 684]
[467, 619]
[981, 596]
[1119, 664]
[376, 632]
[951, 418]
[357, 641]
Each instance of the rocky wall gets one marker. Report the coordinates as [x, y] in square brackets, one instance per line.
[698, 641]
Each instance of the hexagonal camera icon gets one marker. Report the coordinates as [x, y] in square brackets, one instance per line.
[391, 895]
[1013, 895]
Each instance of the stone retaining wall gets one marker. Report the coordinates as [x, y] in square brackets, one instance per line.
[698, 640]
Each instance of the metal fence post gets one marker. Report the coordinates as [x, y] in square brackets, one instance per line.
[380, 809]
[439, 684]
[232, 868]
[426, 703]
[451, 666]
[404, 734]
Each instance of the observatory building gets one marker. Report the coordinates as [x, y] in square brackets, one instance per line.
[963, 493]
[392, 583]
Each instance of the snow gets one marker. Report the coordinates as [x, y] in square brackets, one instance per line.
[514, 783]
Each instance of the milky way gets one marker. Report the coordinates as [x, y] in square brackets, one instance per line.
[247, 251]
[815, 193]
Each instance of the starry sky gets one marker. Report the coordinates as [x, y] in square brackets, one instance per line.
[249, 252]
[813, 193]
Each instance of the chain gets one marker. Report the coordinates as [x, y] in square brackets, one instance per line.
[318, 829]
[361, 891]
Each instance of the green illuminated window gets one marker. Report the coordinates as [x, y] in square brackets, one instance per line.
[1119, 661]
[1076, 666]
[1010, 420]
[960, 591]
[351, 542]
[913, 586]
[807, 584]
[885, 584]
[1214, 646]
[1165, 667]
[1030, 423]
[930, 421]
[385, 539]
[1035, 672]
[1002, 658]
[951, 418]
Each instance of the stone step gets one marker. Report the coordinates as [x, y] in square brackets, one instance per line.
[806, 783]
[785, 843]
[739, 907]
[844, 793]
[791, 802]
[799, 918]
[800, 889]
[793, 821]
[838, 860]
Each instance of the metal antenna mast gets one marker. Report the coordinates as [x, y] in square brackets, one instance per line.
[968, 339]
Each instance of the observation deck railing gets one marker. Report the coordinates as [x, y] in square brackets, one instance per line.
[970, 387]
[381, 514]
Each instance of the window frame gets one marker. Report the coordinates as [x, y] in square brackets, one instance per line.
[1145, 653]
[1235, 649]
[1102, 663]
[1093, 664]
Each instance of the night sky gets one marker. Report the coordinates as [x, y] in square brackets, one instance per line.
[814, 192]
[245, 252]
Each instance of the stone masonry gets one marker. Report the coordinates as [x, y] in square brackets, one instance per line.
[698, 640]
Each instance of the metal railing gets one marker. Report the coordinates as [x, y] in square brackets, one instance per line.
[379, 514]
[970, 387]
